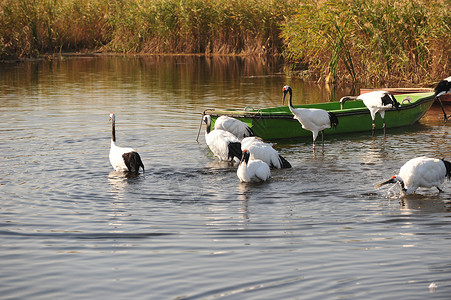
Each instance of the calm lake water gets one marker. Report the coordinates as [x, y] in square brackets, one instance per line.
[71, 228]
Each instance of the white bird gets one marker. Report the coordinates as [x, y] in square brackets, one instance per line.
[312, 119]
[421, 172]
[234, 126]
[251, 170]
[442, 88]
[223, 144]
[123, 159]
[265, 152]
[376, 102]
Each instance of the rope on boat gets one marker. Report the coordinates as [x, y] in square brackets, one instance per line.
[200, 126]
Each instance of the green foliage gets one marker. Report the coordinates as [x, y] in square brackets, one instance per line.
[371, 40]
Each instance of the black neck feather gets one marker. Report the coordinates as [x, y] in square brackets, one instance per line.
[113, 132]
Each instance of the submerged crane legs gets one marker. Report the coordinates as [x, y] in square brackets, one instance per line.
[374, 128]
[322, 139]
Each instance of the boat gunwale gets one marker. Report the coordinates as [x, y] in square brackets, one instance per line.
[261, 114]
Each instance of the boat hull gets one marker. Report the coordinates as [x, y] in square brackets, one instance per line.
[278, 122]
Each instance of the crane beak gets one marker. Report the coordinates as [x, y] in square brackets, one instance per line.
[391, 180]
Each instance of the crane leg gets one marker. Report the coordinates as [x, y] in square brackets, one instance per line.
[372, 129]
[322, 136]
[383, 126]
[443, 109]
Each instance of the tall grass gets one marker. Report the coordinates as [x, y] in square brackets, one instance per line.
[372, 40]
[32, 27]
[360, 40]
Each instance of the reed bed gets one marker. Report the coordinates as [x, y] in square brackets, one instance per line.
[371, 41]
[32, 27]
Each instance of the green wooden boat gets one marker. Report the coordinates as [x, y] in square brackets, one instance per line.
[278, 123]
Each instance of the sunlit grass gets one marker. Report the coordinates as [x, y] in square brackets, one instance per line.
[371, 41]
[32, 27]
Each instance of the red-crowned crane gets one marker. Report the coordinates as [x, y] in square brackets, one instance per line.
[251, 170]
[123, 159]
[312, 119]
[376, 102]
[264, 151]
[234, 126]
[442, 88]
[223, 144]
[421, 172]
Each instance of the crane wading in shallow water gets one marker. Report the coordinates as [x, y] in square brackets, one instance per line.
[236, 127]
[223, 144]
[123, 159]
[312, 119]
[264, 151]
[376, 102]
[421, 172]
[252, 170]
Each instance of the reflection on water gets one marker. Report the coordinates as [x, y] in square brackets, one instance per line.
[187, 228]
[425, 202]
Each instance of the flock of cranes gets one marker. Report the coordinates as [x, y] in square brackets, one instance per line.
[233, 140]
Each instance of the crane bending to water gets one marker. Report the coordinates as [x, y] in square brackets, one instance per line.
[123, 159]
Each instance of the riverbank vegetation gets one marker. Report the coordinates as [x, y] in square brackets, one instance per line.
[372, 40]
[336, 40]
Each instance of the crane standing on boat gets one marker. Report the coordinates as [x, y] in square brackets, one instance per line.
[376, 102]
[252, 170]
[264, 151]
[238, 128]
[442, 88]
[312, 119]
[421, 172]
[123, 159]
[223, 144]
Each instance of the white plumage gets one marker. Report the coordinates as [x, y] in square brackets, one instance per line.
[421, 172]
[312, 119]
[376, 102]
[123, 159]
[234, 126]
[251, 170]
[223, 144]
[265, 152]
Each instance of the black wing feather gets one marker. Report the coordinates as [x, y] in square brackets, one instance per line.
[388, 98]
[442, 86]
[448, 168]
[284, 163]
[235, 150]
[333, 120]
[133, 162]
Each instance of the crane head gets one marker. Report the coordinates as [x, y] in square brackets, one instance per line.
[286, 89]
[245, 156]
[393, 179]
